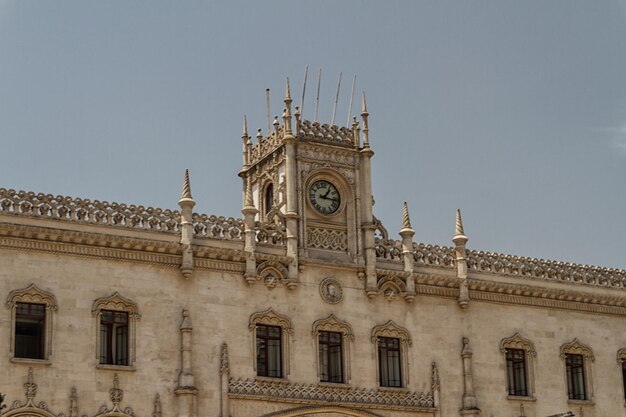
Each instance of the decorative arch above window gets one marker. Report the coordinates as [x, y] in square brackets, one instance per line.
[116, 318]
[578, 359]
[32, 311]
[270, 343]
[519, 354]
[621, 361]
[271, 273]
[392, 343]
[333, 338]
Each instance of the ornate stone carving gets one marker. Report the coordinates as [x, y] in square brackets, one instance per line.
[393, 287]
[29, 408]
[332, 324]
[218, 227]
[339, 136]
[116, 302]
[271, 273]
[267, 144]
[303, 393]
[433, 255]
[331, 290]
[116, 394]
[87, 211]
[517, 342]
[546, 269]
[32, 294]
[156, 410]
[270, 318]
[384, 247]
[621, 355]
[321, 238]
[391, 329]
[576, 348]
[224, 363]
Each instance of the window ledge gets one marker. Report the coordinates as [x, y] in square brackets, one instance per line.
[128, 368]
[28, 361]
[521, 398]
[580, 402]
[276, 379]
[394, 389]
[334, 384]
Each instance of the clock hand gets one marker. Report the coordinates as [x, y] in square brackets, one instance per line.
[327, 192]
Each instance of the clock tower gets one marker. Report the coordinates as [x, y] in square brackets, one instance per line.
[308, 197]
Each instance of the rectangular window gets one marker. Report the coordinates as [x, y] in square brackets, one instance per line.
[30, 326]
[331, 357]
[269, 351]
[113, 338]
[575, 367]
[516, 372]
[389, 362]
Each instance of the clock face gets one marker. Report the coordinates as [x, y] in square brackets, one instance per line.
[324, 197]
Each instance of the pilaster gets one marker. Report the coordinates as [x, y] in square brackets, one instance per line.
[470, 405]
[186, 392]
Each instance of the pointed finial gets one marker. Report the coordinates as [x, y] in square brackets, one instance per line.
[459, 223]
[186, 186]
[459, 234]
[245, 127]
[406, 221]
[364, 105]
[287, 91]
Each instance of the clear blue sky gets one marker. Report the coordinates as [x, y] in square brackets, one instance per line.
[514, 111]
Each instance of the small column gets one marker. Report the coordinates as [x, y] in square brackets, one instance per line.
[249, 213]
[435, 387]
[186, 204]
[460, 241]
[366, 206]
[186, 390]
[407, 234]
[470, 405]
[224, 380]
[291, 215]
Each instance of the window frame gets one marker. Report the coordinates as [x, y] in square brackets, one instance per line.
[271, 318]
[577, 348]
[333, 324]
[621, 360]
[33, 295]
[517, 342]
[116, 303]
[391, 330]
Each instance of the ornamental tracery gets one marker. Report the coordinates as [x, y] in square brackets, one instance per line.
[576, 348]
[29, 408]
[391, 329]
[517, 342]
[270, 318]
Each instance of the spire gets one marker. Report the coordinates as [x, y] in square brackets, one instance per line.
[364, 115]
[186, 187]
[459, 234]
[245, 127]
[287, 92]
[406, 221]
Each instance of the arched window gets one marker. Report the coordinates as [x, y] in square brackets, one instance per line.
[31, 323]
[392, 343]
[578, 359]
[268, 198]
[271, 343]
[333, 338]
[518, 356]
[116, 319]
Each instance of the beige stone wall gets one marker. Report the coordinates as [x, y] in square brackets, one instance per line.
[220, 305]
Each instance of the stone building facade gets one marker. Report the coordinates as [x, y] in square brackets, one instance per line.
[303, 306]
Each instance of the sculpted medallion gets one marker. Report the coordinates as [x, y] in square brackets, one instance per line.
[331, 291]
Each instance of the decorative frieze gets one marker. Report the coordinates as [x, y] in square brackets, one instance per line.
[332, 134]
[322, 238]
[303, 393]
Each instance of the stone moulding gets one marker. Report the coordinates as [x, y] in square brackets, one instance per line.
[517, 342]
[346, 396]
[576, 348]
